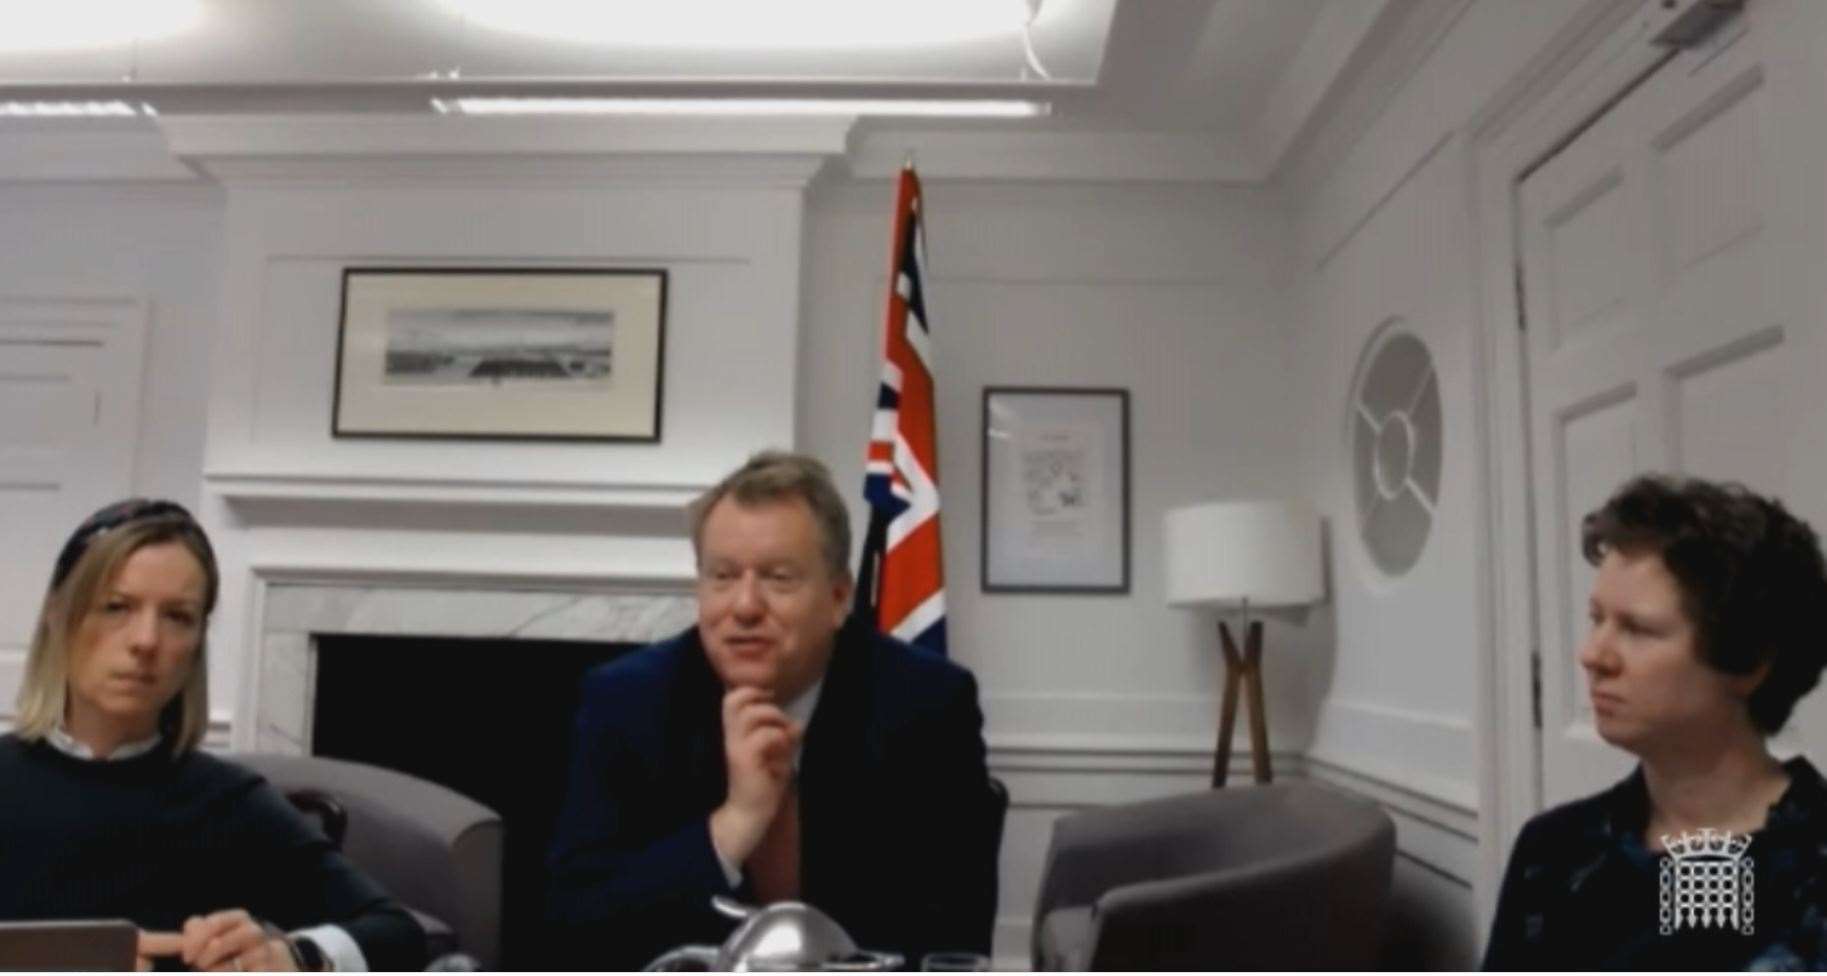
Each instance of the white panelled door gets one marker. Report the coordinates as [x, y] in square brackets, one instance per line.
[1653, 341]
[69, 425]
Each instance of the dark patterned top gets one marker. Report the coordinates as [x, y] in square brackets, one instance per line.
[1583, 892]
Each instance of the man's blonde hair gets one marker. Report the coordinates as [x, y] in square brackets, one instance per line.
[772, 476]
[44, 693]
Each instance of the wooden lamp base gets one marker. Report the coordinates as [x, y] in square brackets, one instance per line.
[1242, 669]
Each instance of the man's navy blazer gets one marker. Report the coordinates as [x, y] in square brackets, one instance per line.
[894, 805]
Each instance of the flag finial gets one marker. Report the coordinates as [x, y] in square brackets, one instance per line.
[908, 163]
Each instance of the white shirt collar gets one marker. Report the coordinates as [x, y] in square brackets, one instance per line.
[61, 740]
[800, 710]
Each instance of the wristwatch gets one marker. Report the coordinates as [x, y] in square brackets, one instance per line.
[307, 954]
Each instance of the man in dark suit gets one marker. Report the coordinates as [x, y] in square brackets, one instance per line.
[774, 751]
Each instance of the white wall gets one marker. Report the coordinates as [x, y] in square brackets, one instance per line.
[1399, 704]
[1178, 294]
[1399, 707]
[158, 244]
[1174, 294]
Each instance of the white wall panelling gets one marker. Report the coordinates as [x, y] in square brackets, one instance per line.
[730, 326]
[718, 207]
[69, 421]
[1388, 235]
[1400, 695]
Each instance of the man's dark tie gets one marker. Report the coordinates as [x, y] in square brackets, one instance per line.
[774, 866]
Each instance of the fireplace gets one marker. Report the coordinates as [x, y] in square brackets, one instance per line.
[472, 688]
[490, 719]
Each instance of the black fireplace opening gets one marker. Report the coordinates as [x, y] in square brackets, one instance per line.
[489, 718]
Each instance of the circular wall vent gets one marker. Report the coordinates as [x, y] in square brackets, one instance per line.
[1395, 447]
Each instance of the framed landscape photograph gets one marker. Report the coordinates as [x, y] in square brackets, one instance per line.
[1055, 490]
[514, 353]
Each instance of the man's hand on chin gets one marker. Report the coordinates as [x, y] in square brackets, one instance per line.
[758, 744]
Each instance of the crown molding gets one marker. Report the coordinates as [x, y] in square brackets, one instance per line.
[742, 151]
[79, 151]
[294, 489]
[229, 136]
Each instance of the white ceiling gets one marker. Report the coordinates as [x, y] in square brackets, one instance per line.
[1252, 74]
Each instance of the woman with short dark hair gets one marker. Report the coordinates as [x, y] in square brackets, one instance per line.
[1704, 635]
[108, 810]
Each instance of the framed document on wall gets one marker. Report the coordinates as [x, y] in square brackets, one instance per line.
[1055, 490]
[506, 353]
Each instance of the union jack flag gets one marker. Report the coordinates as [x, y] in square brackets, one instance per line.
[902, 582]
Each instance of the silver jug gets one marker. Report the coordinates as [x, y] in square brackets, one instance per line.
[787, 936]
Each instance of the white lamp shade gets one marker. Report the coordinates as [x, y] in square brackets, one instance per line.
[1266, 553]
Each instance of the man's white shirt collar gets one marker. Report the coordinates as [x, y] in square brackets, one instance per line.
[800, 710]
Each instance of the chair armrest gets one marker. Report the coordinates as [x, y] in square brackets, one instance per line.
[1094, 851]
[437, 851]
[1315, 910]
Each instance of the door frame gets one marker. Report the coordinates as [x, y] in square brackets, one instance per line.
[1604, 51]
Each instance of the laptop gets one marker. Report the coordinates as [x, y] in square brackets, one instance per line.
[87, 944]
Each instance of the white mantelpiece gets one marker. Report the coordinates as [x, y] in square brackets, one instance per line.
[296, 614]
[516, 526]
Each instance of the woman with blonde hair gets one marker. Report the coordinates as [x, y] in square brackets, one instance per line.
[109, 809]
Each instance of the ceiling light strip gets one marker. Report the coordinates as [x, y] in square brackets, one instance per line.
[93, 109]
[904, 107]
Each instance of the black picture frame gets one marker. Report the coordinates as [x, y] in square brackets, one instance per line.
[518, 398]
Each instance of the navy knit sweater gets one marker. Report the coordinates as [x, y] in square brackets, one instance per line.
[156, 839]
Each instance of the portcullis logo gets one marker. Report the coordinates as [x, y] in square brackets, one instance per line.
[1707, 882]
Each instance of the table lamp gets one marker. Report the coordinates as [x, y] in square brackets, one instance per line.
[1239, 556]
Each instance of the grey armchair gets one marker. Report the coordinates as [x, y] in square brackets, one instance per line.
[436, 850]
[1287, 876]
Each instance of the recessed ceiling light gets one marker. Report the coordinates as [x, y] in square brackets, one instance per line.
[69, 24]
[47, 110]
[952, 108]
[753, 24]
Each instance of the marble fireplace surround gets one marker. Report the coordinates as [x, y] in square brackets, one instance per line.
[294, 613]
